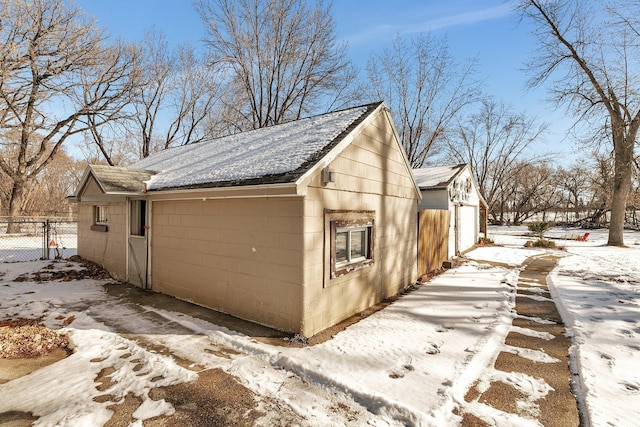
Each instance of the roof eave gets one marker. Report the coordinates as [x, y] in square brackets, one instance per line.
[286, 188]
[402, 151]
[434, 187]
[348, 139]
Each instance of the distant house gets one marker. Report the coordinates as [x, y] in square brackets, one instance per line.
[454, 188]
[296, 226]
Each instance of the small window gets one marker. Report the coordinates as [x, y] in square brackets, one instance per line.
[351, 236]
[99, 215]
[352, 245]
[99, 218]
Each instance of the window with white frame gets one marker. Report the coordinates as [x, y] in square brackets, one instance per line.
[352, 244]
[351, 240]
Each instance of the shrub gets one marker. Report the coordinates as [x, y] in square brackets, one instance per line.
[544, 243]
[538, 228]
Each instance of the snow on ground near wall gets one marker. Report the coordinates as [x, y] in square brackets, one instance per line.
[413, 360]
[410, 363]
[63, 393]
[22, 247]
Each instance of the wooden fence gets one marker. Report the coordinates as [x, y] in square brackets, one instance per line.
[433, 237]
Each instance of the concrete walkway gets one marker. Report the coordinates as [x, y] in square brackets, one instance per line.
[538, 328]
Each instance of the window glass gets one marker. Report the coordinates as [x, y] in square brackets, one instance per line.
[349, 242]
[100, 214]
[341, 246]
[358, 244]
[138, 217]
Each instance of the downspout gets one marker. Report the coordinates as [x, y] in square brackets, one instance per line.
[456, 228]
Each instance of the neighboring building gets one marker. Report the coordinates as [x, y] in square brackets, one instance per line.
[296, 226]
[454, 188]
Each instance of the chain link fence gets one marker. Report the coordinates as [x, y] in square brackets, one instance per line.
[38, 239]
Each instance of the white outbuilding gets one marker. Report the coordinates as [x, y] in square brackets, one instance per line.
[454, 188]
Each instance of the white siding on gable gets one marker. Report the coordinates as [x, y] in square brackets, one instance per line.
[472, 196]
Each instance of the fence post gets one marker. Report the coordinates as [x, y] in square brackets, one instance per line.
[46, 239]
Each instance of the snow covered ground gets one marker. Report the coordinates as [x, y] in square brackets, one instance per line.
[597, 290]
[409, 364]
[28, 247]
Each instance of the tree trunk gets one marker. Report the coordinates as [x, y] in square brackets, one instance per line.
[623, 174]
[621, 187]
[15, 205]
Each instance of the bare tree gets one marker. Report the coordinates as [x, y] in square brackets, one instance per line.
[574, 185]
[493, 141]
[173, 101]
[425, 88]
[56, 70]
[49, 190]
[281, 55]
[593, 52]
[196, 90]
[532, 190]
[177, 93]
[601, 186]
[157, 66]
[634, 201]
[111, 143]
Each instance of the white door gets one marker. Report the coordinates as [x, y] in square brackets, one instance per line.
[467, 227]
[137, 241]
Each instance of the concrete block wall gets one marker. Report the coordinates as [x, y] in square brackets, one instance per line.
[370, 175]
[109, 248]
[239, 256]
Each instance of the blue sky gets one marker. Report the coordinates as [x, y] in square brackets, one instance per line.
[487, 29]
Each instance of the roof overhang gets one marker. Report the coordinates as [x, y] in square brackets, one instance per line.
[91, 175]
[237, 192]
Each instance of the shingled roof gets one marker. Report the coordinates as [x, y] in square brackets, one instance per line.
[271, 155]
[119, 180]
[437, 177]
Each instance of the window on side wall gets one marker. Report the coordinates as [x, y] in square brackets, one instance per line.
[351, 241]
[99, 218]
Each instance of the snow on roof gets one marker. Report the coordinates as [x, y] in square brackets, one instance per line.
[277, 153]
[115, 179]
[439, 176]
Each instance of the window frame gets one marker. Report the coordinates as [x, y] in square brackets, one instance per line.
[349, 222]
[138, 218]
[349, 249]
[100, 218]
